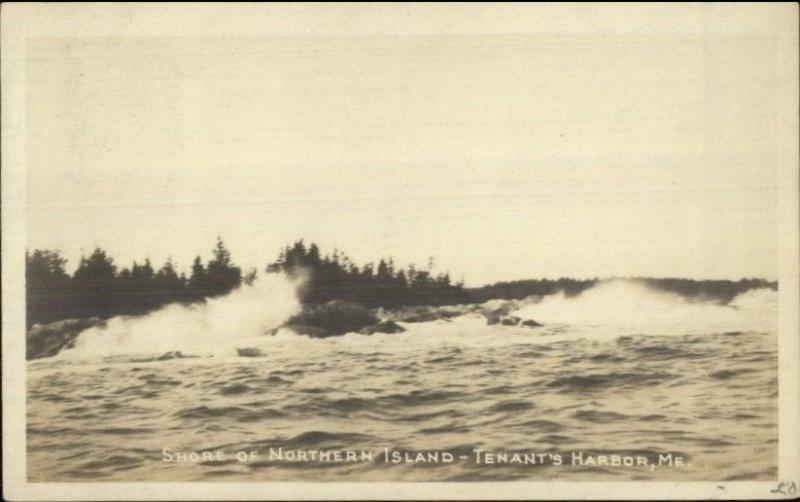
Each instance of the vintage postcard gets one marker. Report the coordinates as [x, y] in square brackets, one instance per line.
[400, 251]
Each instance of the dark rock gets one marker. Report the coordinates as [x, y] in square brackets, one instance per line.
[249, 352]
[47, 340]
[420, 317]
[530, 323]
[382, 327]
[506, 320]
[331, 319]
[424, 313]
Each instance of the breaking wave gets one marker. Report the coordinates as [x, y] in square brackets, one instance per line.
[217, 327]
[631, 304]
[237, 324]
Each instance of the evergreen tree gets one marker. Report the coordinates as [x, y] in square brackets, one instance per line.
[95, 285]
[312, 258]
[168, 286]
[221, 274]
[197, 281]
[47, 291]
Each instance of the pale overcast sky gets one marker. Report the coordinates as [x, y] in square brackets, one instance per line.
[504, 157]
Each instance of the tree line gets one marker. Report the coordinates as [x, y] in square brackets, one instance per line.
[721, 291]
[99, 288]
[336, 277]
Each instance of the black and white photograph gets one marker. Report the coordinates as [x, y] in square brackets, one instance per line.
[444, 245]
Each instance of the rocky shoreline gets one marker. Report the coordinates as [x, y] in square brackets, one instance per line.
[47, 340]
[334, 318]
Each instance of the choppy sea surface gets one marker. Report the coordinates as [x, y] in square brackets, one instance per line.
[617, 371]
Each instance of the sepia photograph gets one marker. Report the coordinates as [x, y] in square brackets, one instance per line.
[400, 251]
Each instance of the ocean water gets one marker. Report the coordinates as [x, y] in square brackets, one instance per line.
[617, 373]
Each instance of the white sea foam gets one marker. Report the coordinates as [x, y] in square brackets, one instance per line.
[243, 319]
[631, 304]
[218, 326]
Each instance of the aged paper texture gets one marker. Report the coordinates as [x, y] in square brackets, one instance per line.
[400, 251]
